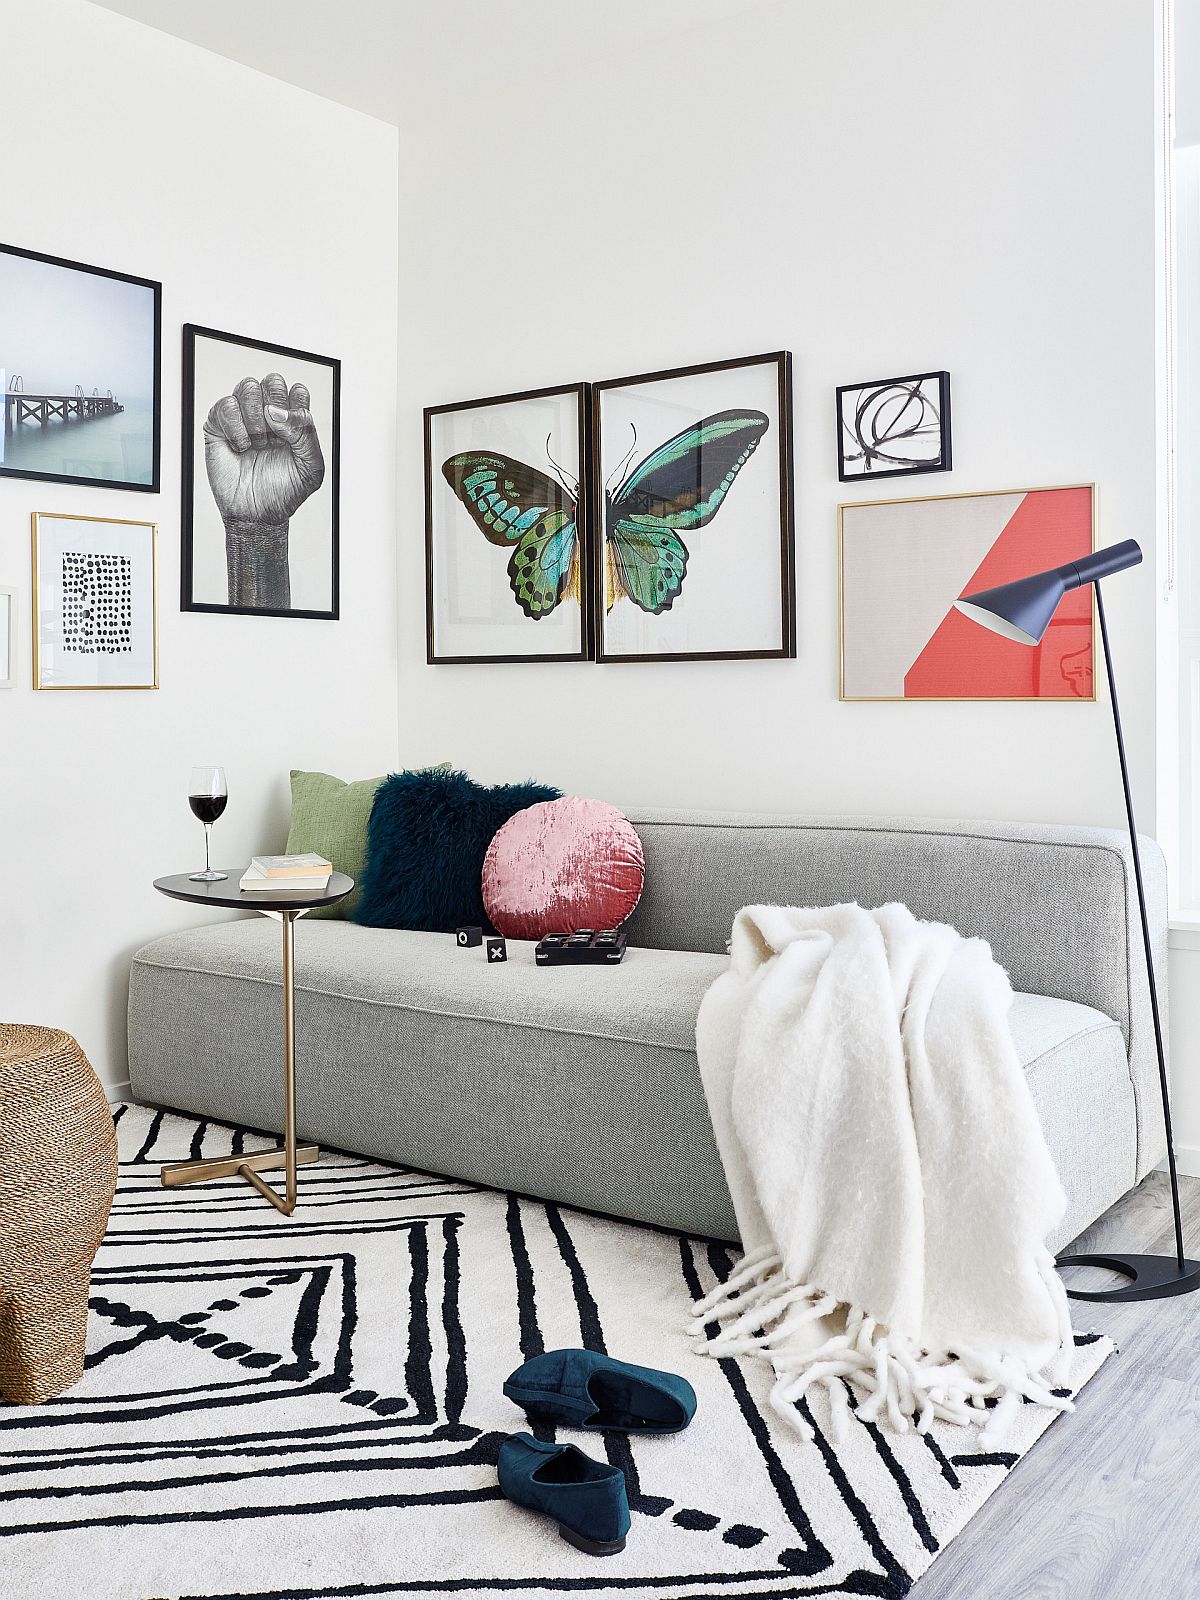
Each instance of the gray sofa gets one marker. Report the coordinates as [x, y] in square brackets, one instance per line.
[581, 1085]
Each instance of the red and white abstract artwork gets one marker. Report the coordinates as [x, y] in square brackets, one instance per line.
[905, 562]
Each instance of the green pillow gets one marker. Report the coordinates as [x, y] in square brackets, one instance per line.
[330, 817]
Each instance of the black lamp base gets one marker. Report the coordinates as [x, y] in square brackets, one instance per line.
[1152, 1277]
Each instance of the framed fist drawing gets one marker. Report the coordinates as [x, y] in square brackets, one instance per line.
[260, 478]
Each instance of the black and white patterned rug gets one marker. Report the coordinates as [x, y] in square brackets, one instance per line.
[310, 1408]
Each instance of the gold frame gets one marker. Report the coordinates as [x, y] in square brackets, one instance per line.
[953, 699]
[78, 688]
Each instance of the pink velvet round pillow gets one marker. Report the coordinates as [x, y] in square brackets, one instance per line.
[561, 865]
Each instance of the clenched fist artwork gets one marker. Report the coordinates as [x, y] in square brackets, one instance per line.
[264, 460]
[260, 443]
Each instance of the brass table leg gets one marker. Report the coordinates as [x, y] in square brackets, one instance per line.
[289, 1155]
[289, 1060]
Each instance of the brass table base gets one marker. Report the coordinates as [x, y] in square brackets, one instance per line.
[288, 1155]
[247, 1166]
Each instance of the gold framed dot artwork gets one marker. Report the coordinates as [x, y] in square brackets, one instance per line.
[95, 602]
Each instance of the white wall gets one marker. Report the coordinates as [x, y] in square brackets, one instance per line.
[1185, 1046]
[889, 186]
[272, 213]
[885, 187]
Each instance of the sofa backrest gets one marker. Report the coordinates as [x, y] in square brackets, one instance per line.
[1055, 903]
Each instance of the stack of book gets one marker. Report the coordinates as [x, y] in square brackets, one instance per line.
[306, 874]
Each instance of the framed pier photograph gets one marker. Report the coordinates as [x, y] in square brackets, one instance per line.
[79, 372]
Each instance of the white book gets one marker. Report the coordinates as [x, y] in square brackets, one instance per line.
[302, 866]
[252, 879]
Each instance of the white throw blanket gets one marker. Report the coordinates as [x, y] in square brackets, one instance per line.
[891, 1181]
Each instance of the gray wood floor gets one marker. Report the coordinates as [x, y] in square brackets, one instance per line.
[1106, 1506]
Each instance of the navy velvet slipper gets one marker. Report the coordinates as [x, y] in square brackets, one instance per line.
[585, 1498]
[582, 1389]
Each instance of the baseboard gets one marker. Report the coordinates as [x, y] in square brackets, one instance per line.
[121, 1091]
[1187, 1161]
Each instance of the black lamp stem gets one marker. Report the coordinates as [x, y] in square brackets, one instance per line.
[1022, 611]
[1141, 894]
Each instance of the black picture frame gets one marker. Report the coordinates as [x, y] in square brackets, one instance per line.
[192, 332]
[83, 405]
[784, 446]
[879, 387]
[581, 394]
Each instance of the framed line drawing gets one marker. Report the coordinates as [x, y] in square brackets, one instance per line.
[508, 555]
[95, 602]
[903, 563]
[8, 638]
[261, 444]
[894, 427]
[692, 504]
[80, 373]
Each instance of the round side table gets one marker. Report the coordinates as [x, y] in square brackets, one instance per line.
[287, 905]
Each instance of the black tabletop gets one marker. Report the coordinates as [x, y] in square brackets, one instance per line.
[228, 895]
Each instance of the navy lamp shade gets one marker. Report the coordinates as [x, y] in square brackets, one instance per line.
[1022, 610]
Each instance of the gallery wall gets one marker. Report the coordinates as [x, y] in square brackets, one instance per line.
[270, 213]
[882, 189]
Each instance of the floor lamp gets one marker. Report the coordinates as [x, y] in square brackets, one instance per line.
[1021, 611]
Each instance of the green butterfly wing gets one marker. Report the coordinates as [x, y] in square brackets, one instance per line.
[645, 563]
[514, 504]
[545, 565]
[685, 481]
[681, 485]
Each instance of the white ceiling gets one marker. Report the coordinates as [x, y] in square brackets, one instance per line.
[389, 57]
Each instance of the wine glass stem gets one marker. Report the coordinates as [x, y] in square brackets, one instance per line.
[207, 864]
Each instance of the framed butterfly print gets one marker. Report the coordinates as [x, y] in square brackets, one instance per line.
[507, 560]
[691, 497]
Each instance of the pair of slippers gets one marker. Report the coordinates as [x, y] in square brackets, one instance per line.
[581, 1389]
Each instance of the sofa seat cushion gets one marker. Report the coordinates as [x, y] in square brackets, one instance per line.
[577, 1084]
[649, 998]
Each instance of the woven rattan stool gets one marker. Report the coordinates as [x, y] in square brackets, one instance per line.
[58, 1171]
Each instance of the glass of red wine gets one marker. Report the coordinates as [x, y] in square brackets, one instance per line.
[208, 797]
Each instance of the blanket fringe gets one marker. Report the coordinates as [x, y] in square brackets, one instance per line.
[758, 1311]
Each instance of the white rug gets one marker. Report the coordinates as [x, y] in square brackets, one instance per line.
[309, 1408]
